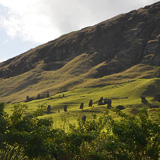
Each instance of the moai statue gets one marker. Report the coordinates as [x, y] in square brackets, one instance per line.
[83, 118]
[81, 106]
[144, 100]
[109, 103]
[90, 103]
[105, 101]
[27, 98]
[65, 108]
[38, 96]
[100, 101]
[47, 94]
[48, 109]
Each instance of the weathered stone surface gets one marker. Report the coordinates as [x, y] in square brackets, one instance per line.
[151, 46]
[120, 42]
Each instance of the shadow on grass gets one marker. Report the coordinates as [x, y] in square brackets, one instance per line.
[93, 111]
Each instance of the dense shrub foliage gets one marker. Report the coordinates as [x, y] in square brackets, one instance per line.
[103, 138]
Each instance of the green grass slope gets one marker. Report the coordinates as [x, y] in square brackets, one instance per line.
[34, 82]
[126, 93]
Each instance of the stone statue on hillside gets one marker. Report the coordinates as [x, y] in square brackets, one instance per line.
[84, 118]
[90, 103]
[65, 108]
[81, 106]
[48, 109]
[27, 99]
[109, 102]
[47, 94]
[100, 102]
[38, 97]
[144, 100]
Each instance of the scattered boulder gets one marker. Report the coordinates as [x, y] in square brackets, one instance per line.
[120, 107]
[154, 106]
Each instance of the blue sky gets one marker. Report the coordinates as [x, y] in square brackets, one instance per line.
[25, 24]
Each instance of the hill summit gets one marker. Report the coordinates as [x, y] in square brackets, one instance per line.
[82, 57]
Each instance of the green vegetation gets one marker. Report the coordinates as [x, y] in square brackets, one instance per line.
[62, 135]
[125, 93]
[102, 137]
[83, 66]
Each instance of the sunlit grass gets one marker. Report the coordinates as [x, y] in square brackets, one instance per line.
[127, 94]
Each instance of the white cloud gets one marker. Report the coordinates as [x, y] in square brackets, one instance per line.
[44, 20]
[29, 19]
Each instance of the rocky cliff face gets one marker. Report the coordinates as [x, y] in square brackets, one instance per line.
[112, 46]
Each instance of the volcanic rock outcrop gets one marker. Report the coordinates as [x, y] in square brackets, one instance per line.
[109, 47]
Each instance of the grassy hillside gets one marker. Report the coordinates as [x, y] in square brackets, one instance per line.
[124, 88]
[34, 82]
[125, 93]
[118, 50]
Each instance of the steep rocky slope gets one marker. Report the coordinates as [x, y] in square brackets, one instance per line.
[109, 47]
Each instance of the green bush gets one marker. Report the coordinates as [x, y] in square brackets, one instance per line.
[102, 138]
